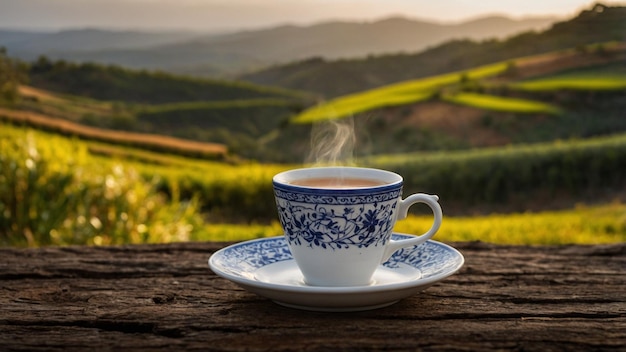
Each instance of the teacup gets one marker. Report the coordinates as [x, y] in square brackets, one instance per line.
[338, 221]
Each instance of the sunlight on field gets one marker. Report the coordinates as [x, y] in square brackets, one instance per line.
[572, 83]
[392, 95]
[358, 103]
[239, 232]
[55, 191]
[89, 174]
[490, 102]
[582, 225]
[417, 90]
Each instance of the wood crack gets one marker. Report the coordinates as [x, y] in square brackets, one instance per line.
[164, 297]
[126, 327]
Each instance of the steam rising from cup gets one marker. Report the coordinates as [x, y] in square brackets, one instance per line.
[332, 142]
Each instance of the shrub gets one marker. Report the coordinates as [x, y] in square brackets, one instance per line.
[50, 194]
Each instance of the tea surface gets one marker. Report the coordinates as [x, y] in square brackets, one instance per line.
[337, 182]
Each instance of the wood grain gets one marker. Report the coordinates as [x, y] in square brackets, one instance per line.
[164, 297]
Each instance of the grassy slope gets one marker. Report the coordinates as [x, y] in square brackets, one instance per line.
[611, 76]
[235, 114]
[395, 94]
[414, 91]
[218, 179]
[594, 224]
[258, 129]
[113, 83]
[255, 125]
[218, 184]
[496, 103]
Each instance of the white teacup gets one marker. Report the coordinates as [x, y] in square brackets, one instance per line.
[338, 221]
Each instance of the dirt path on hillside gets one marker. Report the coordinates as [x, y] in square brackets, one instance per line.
[541, 65]
[32, 92]
[149, 141]
[461, 122]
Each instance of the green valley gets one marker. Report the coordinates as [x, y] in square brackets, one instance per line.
[95, 154]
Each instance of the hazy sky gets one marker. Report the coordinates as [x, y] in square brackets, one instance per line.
[234, 14]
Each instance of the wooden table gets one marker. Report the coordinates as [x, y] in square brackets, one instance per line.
[164, 297]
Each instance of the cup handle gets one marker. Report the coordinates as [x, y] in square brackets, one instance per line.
[403, 209]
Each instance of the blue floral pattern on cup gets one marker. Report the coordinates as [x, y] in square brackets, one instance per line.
[342, 198]
[338, 225]
[346, 218]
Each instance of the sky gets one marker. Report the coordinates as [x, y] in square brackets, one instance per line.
[225, 15]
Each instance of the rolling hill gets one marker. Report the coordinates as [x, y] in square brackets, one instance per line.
[483, 105]
[450, 86]
[235, 114]
[332, 78]
[131, 86]
[515, 134]
[439, 144]
[512, 102]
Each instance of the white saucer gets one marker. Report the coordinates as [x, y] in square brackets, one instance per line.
[266, 267]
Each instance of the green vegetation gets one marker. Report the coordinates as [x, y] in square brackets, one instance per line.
[61, 190]
[153, 197]
[515, 172]
[404, 115]
[56, 190]
[239, 124]
[492, 102]
[572, 83]
[12, 73]
[223, 189]
[395, 94]
[602, 77]
[118, 84]
[53, 192]
[358, 103]
[71, 107]
[453, 87]
[239, 115]
[582, 225]
[146, 141]
[485, 176]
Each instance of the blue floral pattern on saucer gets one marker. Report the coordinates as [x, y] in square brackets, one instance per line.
[266, 267]
[249, 256]
[244, 258]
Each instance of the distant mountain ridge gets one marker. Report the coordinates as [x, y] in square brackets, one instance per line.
[353, 39]
[212, 54]
[33, 43]
[331, 78]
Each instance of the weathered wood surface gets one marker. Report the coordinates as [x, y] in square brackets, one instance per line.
[164, 297]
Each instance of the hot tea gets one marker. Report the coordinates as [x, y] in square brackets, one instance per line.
[337, 182]
[338, 221]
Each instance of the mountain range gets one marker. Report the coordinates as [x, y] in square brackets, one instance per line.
[227, 54]
[332, 78]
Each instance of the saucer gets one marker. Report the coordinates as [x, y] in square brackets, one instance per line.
[266, 267]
